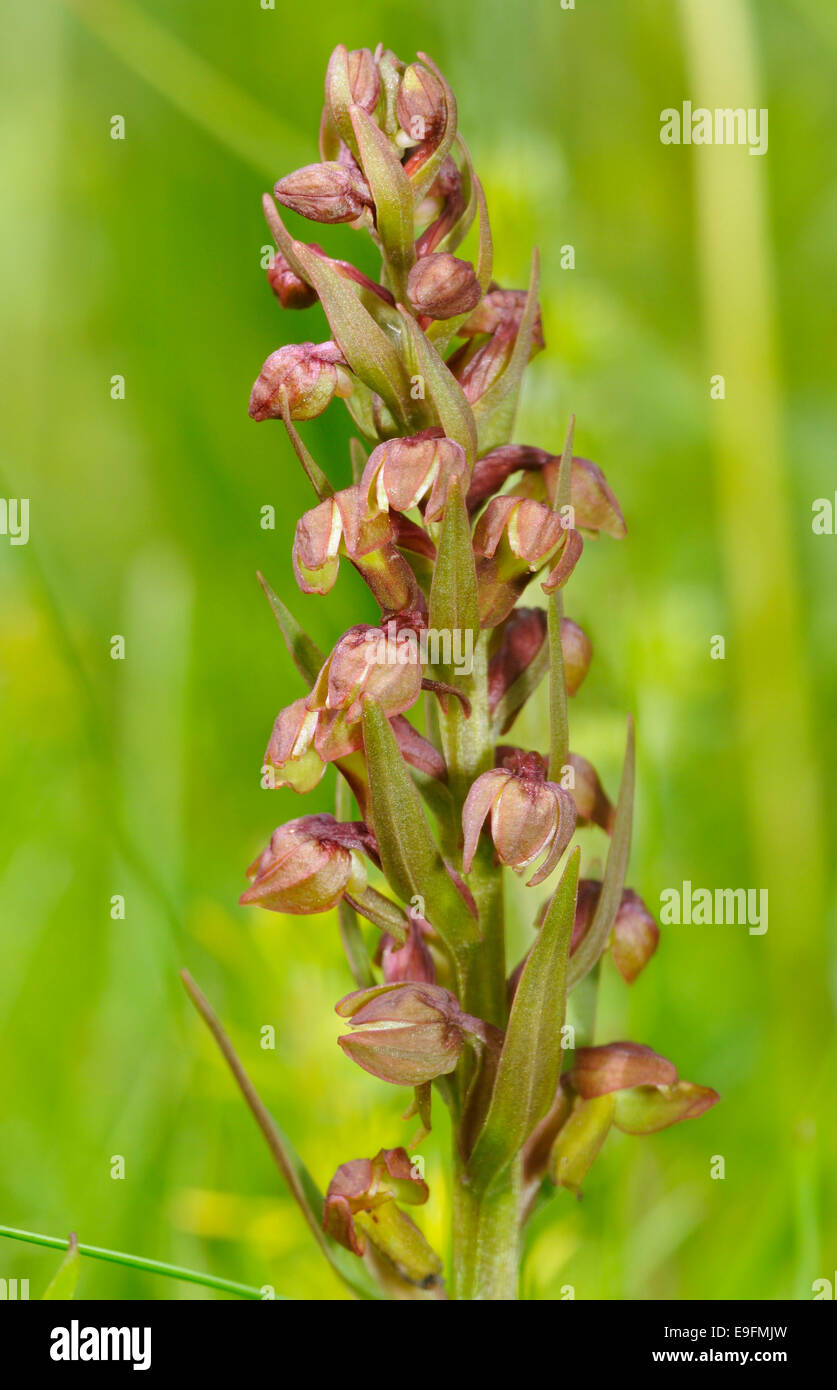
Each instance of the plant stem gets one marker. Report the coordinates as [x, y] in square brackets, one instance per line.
[486, 1252]
[95, 1252]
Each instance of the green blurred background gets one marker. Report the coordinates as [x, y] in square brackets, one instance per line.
[142, 258]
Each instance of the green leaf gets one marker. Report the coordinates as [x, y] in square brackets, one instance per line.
[494, 412]
[365, 345]
[454, 604]
[393, 195]
[530, 1063]
[409, 853]
[63, 1282]
[303, 1189]
[559, 727]
[610, 897]
[306, 656]
[448, 398]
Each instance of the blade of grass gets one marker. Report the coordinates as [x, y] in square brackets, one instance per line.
[119, 1257]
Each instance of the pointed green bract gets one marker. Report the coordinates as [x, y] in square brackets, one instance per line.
[311, 468]
[304, 653]
[393, 196]
[454, 604]
[365, 345]
[448, 398]
[410, 856]
[610, 897]
[530, 1062]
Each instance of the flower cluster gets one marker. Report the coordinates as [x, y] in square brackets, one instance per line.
[454, 528]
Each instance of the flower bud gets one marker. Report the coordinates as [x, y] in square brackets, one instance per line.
[521, 639]
[529, 815]
[329, 192]
[308, 865]
[578, 653]
[290, 290]
[591, 800]
[352, 78]
[482, 361]
[310, 374]
[408, 1033]
[635, 934]
[441, 286]
[500, 309]
[412, 961]
[401, 473]
[634, 937]
[290, 754]
[444, 203]
[421, 107]
[597, 1071]
[579, 1142]
[589, 892]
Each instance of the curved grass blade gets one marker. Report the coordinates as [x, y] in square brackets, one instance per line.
[120, 1257]
[62, 1285]
[303, 1189]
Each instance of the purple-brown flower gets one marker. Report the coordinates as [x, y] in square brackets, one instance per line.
[530, 816]
[408, 1033]
[513, 539]
[308, 865]
[403, 473]
[362, 1206]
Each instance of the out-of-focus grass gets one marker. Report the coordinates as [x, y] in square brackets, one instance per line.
[141, 258]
